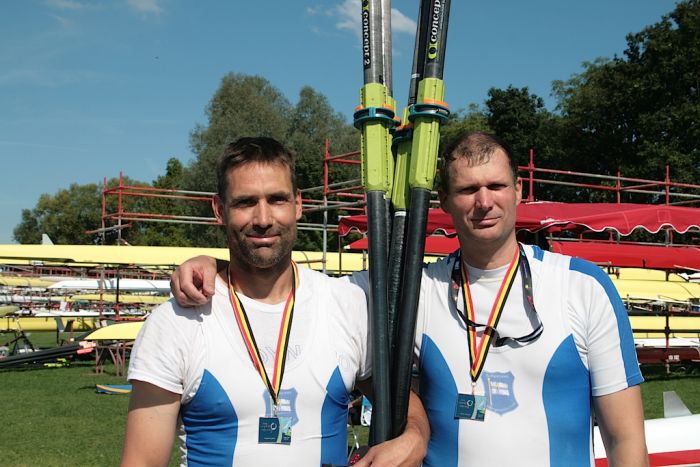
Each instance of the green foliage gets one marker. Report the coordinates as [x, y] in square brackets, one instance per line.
[28, 231]
[462, 121]
[162, 233]
[67, 215]
[64, 216]
[313, 121]
[640, 111]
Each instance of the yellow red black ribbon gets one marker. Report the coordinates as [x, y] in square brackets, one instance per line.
[478, 350]
[274, 385]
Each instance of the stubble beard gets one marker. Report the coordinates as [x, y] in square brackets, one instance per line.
[263, 257]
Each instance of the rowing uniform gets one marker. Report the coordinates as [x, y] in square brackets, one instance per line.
[537, 394]
[201, 354]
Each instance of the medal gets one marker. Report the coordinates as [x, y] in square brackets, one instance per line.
[274, 429]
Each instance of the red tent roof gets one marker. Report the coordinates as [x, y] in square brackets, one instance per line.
[556, 217]
[613, 254]
[632, 256]
[622, 217]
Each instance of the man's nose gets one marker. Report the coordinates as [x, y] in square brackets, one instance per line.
[263, 215]
[484, 198]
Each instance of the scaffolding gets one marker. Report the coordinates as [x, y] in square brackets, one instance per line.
[347, 194]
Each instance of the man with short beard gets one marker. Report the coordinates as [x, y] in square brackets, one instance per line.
[260, 375]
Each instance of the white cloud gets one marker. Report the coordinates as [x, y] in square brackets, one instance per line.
[145, 6]
[402, 23]
[63, 21]
[348, 14]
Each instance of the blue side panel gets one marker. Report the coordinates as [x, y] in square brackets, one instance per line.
[624, 329]
[566, 398]
[537, 252]
[334, 422]
[438, 392]
[211, 425]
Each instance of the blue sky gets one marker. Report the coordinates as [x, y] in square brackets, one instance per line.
[90, 88]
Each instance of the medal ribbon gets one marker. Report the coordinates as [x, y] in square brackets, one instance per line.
[274, 385]
[479, 350]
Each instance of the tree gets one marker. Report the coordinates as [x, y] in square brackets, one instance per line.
[28, 231]
[64, 216]
[67, 216]
[163, 233]
[521, 119]
[313, 121]
[472, 119]
[639, 112]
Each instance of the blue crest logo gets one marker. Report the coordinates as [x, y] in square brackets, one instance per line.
[499, 392]
[287, 407]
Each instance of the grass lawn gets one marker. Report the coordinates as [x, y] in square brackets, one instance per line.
[54, 417]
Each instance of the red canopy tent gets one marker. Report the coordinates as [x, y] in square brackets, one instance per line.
[556, 217]
[622, 217]
[632, 256]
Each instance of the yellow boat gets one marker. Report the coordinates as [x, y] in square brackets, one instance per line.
[123, 298]
[116, 332]
[19, 281]
[46, 323]
[652, 327]
[649, 284]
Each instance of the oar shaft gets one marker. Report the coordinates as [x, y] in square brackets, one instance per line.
[381, 406]
[408, 305]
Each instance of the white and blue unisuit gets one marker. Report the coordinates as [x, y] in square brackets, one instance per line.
[200, 354]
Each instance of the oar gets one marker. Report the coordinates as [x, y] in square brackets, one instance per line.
[402, 141]
[427, 114]
[375, 117]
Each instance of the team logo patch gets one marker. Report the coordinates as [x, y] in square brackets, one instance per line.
[500, 397]
[287, 407]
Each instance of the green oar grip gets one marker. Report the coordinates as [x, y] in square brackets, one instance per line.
[402, 141]
[427, 114]
[375, 117]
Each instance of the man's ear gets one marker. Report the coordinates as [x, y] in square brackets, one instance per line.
[217, 205]
[297, 203]
[443, 200]
[518, 190]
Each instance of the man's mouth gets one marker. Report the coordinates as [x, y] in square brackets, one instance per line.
[263, 240]
[485, 221]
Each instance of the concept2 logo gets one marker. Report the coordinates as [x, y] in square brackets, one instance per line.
[366, 57]
[433, 45]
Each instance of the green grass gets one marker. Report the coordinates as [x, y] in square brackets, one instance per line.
[54, 417]
[685, 381]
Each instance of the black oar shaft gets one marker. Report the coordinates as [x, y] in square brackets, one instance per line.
[395, 272]
[381, 406]
[408, 304]
[427, 112]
